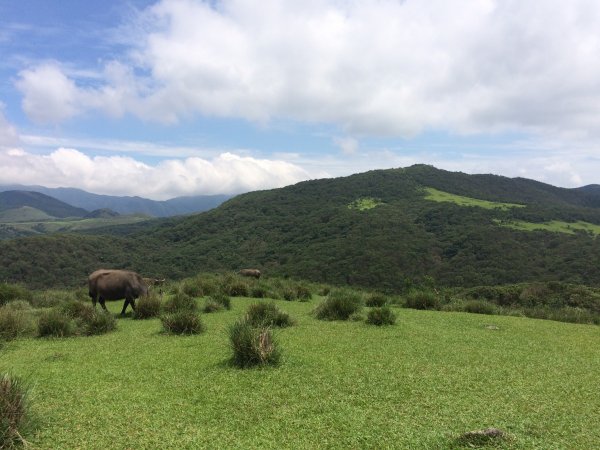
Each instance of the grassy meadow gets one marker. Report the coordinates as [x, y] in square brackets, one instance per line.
[555, 226]
[418, 384]
[441, 196]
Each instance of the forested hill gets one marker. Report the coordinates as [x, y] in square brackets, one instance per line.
[384, 228]
[51, 206]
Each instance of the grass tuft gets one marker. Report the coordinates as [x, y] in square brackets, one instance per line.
[55, 322]
[147, 307]
[253, 346]
[13, 411]
[266, 314]
[14, 322]
[339, 305]
[182, 322]
[180, 301]
[381, 315]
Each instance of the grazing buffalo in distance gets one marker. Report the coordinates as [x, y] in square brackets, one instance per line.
[151, 282]
[250, 273]
[109, 284]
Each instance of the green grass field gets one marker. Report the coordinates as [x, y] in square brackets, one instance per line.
[365, 203]
[418, 384]
[441, 196]
[555, 226]
[74, 224]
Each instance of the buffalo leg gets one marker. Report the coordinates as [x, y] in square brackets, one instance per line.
[101, 300]
[125, 306]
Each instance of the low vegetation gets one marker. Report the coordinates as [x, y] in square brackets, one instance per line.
[339, 305]
[182, 322]
[440, 196]
[452, 372]
[554, 226]
[381, 315]
[13, 411]
[267, 314]
[147, 307]
[253, 345]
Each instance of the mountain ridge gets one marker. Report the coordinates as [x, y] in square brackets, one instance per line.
[312, 230]
[127, 204]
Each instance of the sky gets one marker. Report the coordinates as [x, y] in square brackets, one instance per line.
[166, 98]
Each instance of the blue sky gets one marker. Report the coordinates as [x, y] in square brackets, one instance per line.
[162, 98]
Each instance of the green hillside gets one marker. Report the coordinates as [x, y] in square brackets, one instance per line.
[42, 202]
[379, 229]
[24, 214]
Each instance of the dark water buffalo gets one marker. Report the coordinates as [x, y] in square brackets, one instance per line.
[109, 284]
[250, 273]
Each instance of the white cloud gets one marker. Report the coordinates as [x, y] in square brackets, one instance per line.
[348, 145]
[8, 133]
[119, 175]
[371, 67]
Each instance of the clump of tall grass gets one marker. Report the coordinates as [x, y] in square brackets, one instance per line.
[13, 411]
[10, 292]
[200, 285]
[381, 315]
[376, 299]
[76, 309]
[99, 322]
[339, 305]
[54, 322]
[147, 306]
[180, 301]
[234, 286]
[182, 322]
[217, 302]
[480, 307]
[267, 314]
[14, 322]
[51, 298]
[253, 346]
[422, 300]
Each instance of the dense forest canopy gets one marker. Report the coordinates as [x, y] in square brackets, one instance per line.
[375, 229]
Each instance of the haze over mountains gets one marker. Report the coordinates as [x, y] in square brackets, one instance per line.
[125, 205]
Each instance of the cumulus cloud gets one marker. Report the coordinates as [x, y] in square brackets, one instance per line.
[348, 145]
[8, 133]
[119, 175]
[371, 67]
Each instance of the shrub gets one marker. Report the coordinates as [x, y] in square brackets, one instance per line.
[422, 300]
[221, 299]
[180, 301]
[182, 322]
[259, 291]
[192, 287]
[252, 346]
[147, 307]
[76, 309]
[376, 299]
[55, 323]
[18, 305]
[267, 314]
[303, 293]
[50, 298]
[212, 306]
[479, 307]
[381, 315]
[10, 292]
[13, 411]
[235, 286]
[13, 322]
[339, 305]
[99, 322]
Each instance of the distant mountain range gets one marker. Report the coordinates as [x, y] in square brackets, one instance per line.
[11, 200]
[123, 205]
